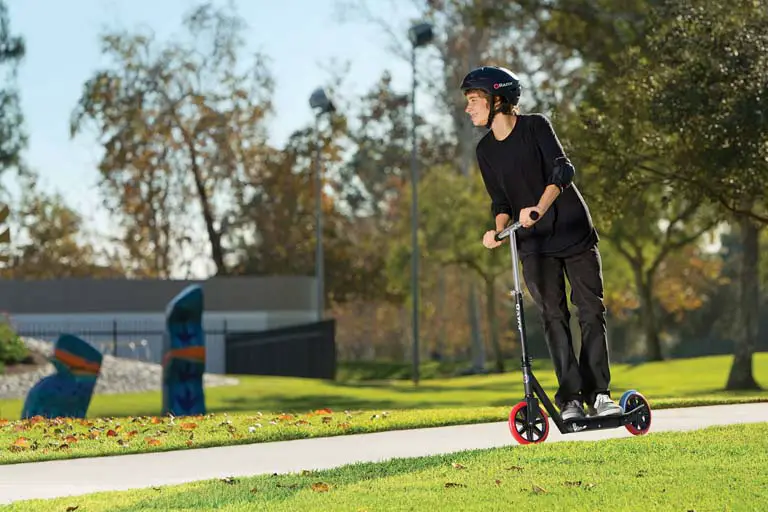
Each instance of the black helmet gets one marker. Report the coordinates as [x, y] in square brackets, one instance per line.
[495, 81]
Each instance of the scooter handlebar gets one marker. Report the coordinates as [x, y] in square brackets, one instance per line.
[514, 227]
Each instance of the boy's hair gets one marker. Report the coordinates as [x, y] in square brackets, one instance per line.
[506, 107]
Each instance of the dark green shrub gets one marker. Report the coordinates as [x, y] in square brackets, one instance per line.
[12, 348]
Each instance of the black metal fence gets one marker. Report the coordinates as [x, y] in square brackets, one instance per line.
[124, 338]
[307, 350]
[139, 344]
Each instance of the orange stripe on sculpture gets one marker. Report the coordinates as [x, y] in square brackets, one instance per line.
[76, 363]
[193, 353]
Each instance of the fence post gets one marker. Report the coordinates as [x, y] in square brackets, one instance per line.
[224, 344]
[114, 337]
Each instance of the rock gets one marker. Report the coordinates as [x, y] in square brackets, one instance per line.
[118, 375]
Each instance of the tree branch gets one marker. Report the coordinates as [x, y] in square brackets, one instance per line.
[468, 263]
[669, 247]
[709, 190]
[623, 250]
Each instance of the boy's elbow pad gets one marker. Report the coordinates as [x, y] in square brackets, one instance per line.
[562, 173]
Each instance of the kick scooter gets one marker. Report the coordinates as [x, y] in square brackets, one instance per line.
[528, 422]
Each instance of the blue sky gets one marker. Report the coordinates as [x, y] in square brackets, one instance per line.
[299, 36]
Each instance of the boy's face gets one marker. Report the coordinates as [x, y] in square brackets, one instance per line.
[477, 108]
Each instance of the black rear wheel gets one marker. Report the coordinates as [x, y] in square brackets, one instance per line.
[630, 401]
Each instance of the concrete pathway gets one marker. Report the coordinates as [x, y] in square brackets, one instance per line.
[81, 476]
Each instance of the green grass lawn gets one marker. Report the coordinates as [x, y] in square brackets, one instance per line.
[720, 468]
[265, 409]
[683, 379]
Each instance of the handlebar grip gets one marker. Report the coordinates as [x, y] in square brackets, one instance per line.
[514, 227]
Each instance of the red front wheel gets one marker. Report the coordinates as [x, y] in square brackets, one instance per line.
[524, 431]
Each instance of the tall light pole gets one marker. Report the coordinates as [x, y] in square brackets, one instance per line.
[321, 104]
[420, 35]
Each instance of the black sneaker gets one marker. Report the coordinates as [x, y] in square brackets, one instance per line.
[572, 410]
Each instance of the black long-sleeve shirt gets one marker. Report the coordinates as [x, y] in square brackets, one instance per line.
[516, 171]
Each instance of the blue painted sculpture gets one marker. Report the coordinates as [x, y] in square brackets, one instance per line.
[66, 393]
[184, 354]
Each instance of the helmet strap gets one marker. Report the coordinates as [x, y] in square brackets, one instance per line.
[492, 111]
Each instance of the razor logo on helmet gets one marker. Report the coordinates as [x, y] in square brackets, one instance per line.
[505, 84]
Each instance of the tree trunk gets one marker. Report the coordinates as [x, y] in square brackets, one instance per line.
[644, 284]
[465, 46]
[741, 376]
[493, 323]
[441, 343]
[214, 237]
[478, 346]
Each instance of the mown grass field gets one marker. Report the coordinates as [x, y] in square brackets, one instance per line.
[263, 409]
[721, 468]
[683, 379]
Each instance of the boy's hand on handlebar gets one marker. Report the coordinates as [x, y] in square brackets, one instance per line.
[489, 240]
[525, 216]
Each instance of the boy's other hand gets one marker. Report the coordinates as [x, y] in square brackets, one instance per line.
[489, 240]
[525, 216]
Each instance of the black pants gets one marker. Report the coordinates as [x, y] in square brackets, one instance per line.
[544, 277]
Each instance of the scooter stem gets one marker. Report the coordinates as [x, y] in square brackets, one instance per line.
[517, 293]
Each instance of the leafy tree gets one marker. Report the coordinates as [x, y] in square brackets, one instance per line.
[50, 240]
[277, 220]
[5, 233]
[471, 33]
[707, 87]
[689, 78]
[687, 280]
[646, 221]
[379, 140]
[646, 246]
[592, 31]
[180, 122]
[13, 139]
[453, 220]
[704, 90]
[463, 32]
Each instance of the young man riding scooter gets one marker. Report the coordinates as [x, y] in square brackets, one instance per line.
[525, 170]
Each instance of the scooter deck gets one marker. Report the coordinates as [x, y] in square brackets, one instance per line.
[601, 422]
